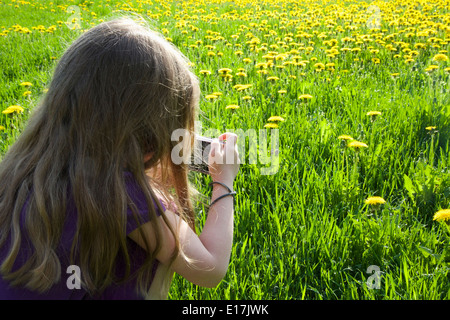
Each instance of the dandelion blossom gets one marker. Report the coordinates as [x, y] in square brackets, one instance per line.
[432, 67]
[271, 125]
[440, 57]
[206, 72]
[345, 137]
[305, 97]
[12, 109]
[262, 72]
[211, 97]
[373, 115]
[275, 118]
[319, 66]
[357, 145]
[26, 84]
[240, 87]
[225, 70]
[232, 106]
[442, 215]
[375, 201]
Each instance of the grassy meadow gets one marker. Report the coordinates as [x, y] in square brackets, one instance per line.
[359, 93]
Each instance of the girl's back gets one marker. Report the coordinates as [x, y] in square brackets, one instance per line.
[80, 189]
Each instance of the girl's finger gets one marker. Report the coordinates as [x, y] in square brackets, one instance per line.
[214, 146]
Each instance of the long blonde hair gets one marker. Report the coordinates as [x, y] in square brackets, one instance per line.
[117, 93]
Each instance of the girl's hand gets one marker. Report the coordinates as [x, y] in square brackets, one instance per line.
[224, 159]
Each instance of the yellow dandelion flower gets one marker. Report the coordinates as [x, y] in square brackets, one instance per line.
[440, 57]
[246, 98]
[227, 77]
[345, 137]
[207, 72]
[305, 97]
[357, 145]
[26, 93]
[442, 215]
[375, 201]
[430, 128]
[282, 91]
[261, 65]
[26, 84]
[16, 108]
[376, 60]
[273, 78]
[12, 109]
[7, 111]
[2, 128]
[232, 106]
[225, 70]
[319, 65]
[373, 113]
[276, 118]
[241, 87]
[211, 97]
[431, 68]
[271, 125]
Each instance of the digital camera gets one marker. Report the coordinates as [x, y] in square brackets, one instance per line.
[199, 159]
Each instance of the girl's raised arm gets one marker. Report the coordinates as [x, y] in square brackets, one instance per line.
[203, 259]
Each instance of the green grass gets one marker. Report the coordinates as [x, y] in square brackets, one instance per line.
[304, 232]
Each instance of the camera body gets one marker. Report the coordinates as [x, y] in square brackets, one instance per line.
[199, 158]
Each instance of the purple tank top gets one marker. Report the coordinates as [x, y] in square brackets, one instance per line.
[60, 291]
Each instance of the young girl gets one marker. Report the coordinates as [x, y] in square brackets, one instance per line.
[90, 182]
